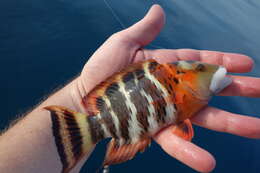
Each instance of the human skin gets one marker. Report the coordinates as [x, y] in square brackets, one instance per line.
[29, 146]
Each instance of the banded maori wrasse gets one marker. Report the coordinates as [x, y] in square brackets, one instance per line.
[133, 105]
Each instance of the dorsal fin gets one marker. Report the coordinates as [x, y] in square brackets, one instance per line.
[117, 154]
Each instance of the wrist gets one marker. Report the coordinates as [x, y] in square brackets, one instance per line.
[69, 96]
[76, 92]
[35, 131]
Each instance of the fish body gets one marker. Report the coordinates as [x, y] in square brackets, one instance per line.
[133, 105]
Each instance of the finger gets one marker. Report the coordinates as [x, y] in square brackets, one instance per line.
[243, 86]
[232, 61]
[145, 31]
[186, 152]
[222, 121]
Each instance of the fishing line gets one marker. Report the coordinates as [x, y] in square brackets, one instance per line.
[122, 24]
[114, 14]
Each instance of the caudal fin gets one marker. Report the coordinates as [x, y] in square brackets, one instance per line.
[72, 137]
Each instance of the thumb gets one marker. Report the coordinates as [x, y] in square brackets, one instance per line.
[145, 31]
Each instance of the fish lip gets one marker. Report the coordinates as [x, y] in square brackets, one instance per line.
[219, 80]
[225, 82]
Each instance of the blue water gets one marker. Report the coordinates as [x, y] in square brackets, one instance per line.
[45, 43]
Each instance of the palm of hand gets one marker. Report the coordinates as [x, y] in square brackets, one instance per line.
[125, 47]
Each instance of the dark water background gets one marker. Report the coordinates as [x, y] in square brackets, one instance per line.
[45, 43]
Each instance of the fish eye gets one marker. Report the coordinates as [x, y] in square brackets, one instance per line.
[200, 67]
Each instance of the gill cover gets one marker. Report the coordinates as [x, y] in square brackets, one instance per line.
[203, 79]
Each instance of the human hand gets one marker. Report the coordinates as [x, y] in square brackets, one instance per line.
[126, 47]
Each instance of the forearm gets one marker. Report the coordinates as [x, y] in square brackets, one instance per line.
[29, 145]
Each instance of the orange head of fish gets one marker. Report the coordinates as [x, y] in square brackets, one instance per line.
[194, 84]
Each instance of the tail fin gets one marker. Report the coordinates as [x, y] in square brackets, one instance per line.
[72, 137]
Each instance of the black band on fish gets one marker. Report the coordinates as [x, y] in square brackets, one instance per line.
[67, 135]
[96, 131]
[58, 140]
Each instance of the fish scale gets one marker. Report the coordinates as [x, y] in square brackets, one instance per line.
[133, 105]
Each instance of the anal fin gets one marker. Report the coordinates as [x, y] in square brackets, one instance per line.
[184, 130]
[117, 154]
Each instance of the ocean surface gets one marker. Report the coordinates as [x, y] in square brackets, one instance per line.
[45, 43]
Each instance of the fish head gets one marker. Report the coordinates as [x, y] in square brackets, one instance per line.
[202, 79]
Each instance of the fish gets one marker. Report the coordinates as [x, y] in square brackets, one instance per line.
[133, 105]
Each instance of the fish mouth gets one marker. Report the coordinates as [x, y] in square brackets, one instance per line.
[219, 80]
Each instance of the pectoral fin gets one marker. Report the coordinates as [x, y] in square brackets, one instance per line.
[184, 130]
[118, 154]
[179, 98]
